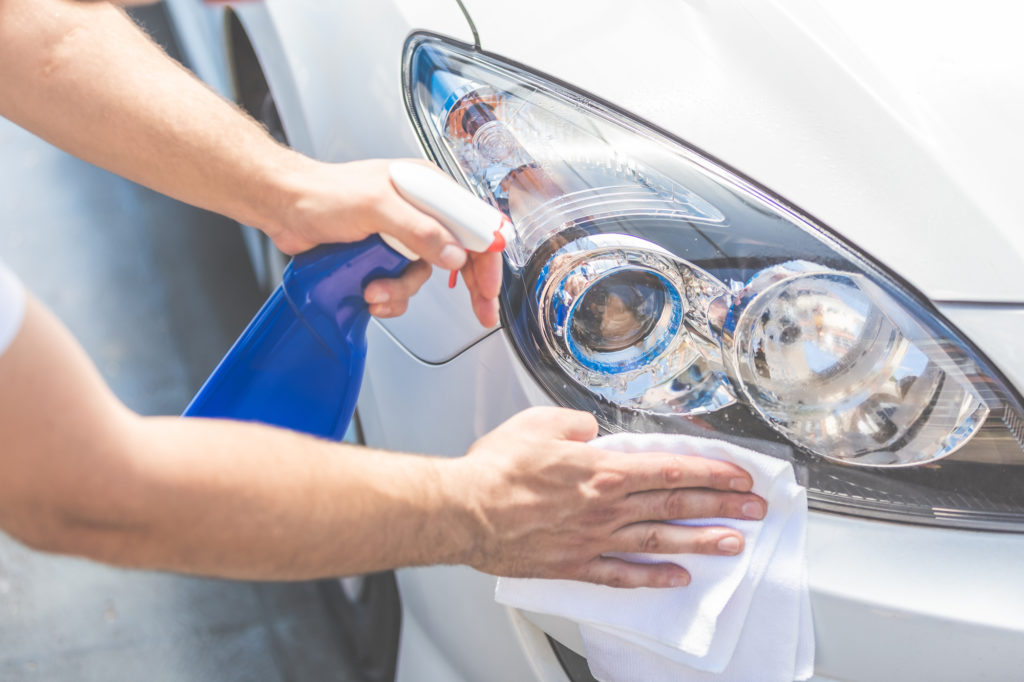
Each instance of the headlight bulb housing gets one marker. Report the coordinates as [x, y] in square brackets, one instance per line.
[660, 291]
[833, 363]
[618, 316]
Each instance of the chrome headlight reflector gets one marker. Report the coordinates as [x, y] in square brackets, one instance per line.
[617, 315]
[840, 369]
[661, 292]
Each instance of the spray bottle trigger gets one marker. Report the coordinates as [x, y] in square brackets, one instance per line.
[499, 244]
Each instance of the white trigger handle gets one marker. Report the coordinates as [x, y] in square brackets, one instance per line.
[472, 221]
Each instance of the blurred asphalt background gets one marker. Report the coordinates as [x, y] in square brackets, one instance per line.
[156, 292]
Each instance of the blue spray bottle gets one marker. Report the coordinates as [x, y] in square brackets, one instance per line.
[300, 361]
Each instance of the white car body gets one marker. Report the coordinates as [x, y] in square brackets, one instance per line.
[897, 125]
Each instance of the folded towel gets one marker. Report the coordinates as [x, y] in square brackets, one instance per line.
[744, 617]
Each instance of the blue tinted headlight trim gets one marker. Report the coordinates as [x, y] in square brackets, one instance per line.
[644, 355]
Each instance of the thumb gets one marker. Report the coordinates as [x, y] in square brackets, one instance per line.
[556, 423]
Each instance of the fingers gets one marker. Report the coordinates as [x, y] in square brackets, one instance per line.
[692, 503]
[667, 538]
[482, 275]
[390, 297]
[619, 573]
[658, 538]
[426, 237]
[486, 269]
[666, 471]
[421, 232]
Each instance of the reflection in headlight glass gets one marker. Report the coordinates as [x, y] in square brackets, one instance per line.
[617, 312]
[819, 355]
[661, 292]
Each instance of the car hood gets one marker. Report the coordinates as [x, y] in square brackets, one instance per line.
[895, 125]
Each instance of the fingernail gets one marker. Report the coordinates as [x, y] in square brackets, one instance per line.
[452, 257]
[753, 510]
[376, 296]
[742, 484]
[679, 580]
[730, 544]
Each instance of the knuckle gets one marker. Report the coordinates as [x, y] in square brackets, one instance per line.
[607, 481]
[373, 199]
[615, 578]
[426, 232]
[677, 505]
[651, 540]
[671, 473]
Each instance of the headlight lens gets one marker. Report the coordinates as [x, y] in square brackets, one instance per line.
[613, 312]
[661, 292]
[835, 365]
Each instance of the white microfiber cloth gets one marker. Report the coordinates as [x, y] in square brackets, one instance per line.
[745, 617]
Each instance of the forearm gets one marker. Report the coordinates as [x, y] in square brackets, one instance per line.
[246, 501]
[81, 474]
[83, 77]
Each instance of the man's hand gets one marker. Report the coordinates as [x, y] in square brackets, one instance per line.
[81, 474]
[84, 77]
[348, 202]
[550, 506]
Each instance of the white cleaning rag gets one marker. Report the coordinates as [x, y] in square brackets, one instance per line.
[744, 617]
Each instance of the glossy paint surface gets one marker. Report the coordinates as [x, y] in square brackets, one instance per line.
[900, 138]
[334, 69]
[897, 127]
[927, 603]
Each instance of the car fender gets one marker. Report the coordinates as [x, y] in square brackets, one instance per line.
[199, 29]
[340, 99]
[334, 87]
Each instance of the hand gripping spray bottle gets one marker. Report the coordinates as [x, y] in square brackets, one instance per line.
[300, 361]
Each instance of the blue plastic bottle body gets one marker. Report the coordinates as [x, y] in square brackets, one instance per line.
[300, 361]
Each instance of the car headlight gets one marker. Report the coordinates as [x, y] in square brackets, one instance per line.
[661, 292]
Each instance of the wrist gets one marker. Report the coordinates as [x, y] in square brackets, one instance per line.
[462, 518]
[274, 199]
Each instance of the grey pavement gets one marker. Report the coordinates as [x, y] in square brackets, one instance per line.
[155, 291]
